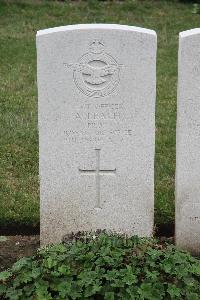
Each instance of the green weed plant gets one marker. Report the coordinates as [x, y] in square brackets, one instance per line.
[104, 267]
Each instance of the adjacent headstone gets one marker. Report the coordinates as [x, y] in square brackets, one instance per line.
[96, 86]
[188, 143]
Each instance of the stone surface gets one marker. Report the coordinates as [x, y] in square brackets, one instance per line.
[96, 86]
[188, 143]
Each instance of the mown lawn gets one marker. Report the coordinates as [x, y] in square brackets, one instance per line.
[19, 21]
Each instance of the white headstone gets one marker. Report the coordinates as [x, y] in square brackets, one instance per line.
[188, 143]
[96, 87]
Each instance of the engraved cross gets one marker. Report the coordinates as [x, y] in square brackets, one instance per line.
[98, 172]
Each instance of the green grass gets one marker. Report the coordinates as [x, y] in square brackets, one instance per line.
[19, 21]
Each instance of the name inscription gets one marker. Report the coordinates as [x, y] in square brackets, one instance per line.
[102, 122]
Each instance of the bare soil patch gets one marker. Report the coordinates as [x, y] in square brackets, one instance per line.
[14, 247]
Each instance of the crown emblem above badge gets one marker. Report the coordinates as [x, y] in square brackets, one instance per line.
[96, 47]
[97, 73]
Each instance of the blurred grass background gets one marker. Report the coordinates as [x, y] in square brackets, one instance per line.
[19, 21]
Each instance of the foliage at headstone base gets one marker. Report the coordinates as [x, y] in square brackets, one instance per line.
[104, 267]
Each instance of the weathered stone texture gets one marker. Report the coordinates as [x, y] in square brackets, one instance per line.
[96, 88]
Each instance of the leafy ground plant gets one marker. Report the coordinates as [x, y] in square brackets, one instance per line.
[104, 267]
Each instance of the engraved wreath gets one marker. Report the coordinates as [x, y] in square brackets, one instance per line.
[97, 73]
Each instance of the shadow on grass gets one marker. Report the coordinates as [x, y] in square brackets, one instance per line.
[166, 230]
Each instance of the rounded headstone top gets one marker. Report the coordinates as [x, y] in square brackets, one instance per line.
[95, 26]
[190, 32]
